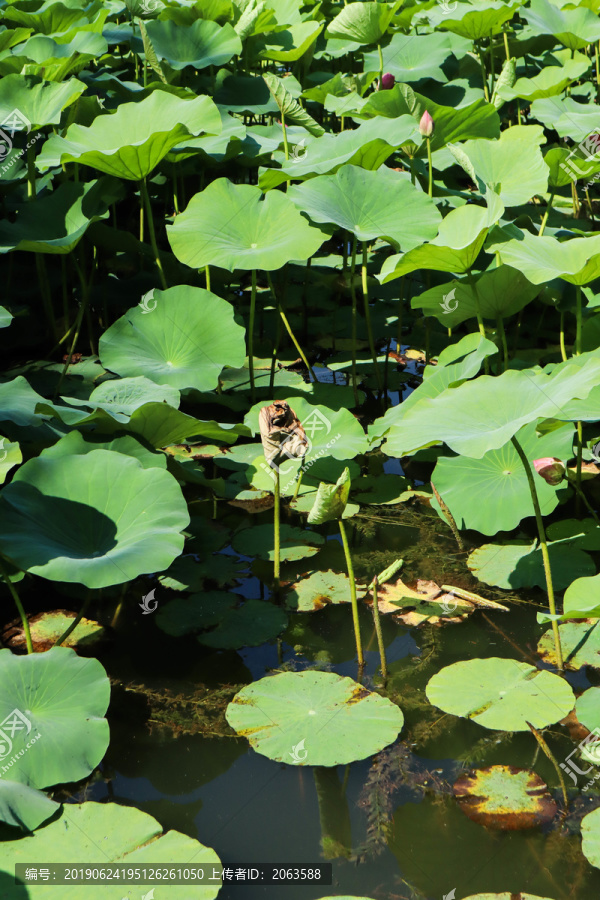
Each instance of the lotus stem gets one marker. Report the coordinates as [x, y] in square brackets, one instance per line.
[547, 213]
[578, 317]
[354, 338]
[85, 292]
[277, 551]
[207, 275]
[251, 337]
[15, 595]
[400, 311]
[380, 63]
[377, 621]
[480, 324]
[75, 621]
[288, 328]
[505, 35]
[486, 92]
[587, 504]
[152, 233]
[42, 273]
[31, 190]
[368, 316]
[544, 548]
[449, 518]
[359, 652]
[502, 333]
[430, 183]
[298, 483]
[579, 463]
[563, 351]
[548, 752]
[492, 72]
[574, 199]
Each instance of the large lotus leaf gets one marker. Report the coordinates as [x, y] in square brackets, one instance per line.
[548, 82]
[39, 103]
[56, 222]
[244, 94]
[184, 342]
[124, 395]
[232, 226]
[362, 23]
[103, 833]
[10, 456]
[76, 444]
[484, 414]
[51, 59]
[502, 694]
[97, 519]
[161, 425]
[590, 837]
[367, 146]
[458, 243]
[204, 43]
[293, 113]
[52, 725]
[18, 402]
[296, 543]
[11, 36]
[289, 45]
[505, 798]
[130, 142]
[515, 164]
[414, 58]
[330, 501]
[587, 708]
[580, 643]
[314, 718]
[318, 590]
[370, 205]
[499, 476]
[516, 564]
[23, 806]
[56, 18]
[501, 292]
[575, 28]
[582, 598]
[479, 18]
[542, 259]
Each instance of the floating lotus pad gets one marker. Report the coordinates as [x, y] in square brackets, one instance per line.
[103, 833]
[250, 625]
[318, 590]
[505, 798]
[514, 564]
[580, 645]
[23, 806]
[296, 543]
[502, 694]
[590, 837]
[337, 719]
[47, 627]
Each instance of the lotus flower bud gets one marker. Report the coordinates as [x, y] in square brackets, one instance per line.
[426, 125]
[387, 82]
[551, 469]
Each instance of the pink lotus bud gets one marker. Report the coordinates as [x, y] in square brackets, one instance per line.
[387, 82]
[426, 125]
[550, 468]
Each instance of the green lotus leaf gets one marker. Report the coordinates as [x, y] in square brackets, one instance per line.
[232, 226]
[314, 718]
[125, 395]
[502, 694]
[292, 112]
[459, 240]
[370, 205]
[556, 160]
[52, 716]
[479, 18]
[103, 833]
[161, 425]
[590, 837]
[52, 59]
[56, 222]
[130, 142]
[201, 44]
[10, 456]
[331, 500]
[296, 543]
[56, 19]
[484, 414]
[575, 27]
[11, 36]
[504, 797]
[185, 341]
[60, 521]
[499, 476]
[185, 615]
[76, 444]
[580, 643]
[548, 82]
[420, 57]
[244, 94]
[506, 80]
[582, 599]
[318, 590]
[249, 625]
[362, 23]
[516, 563]
[5, 317]
[381, 490]
[542, 259]
[515, 163]
[501, 292]
[290, 45]
[18, 403]
[39, 103]
[587, 708]
[23, 806]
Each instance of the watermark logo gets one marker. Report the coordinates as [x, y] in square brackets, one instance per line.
[595, 451]
[145, 604]
[591, 746]
[145, 304]
[15, 121]
[150, 6]
[299, 152]
[446, 9]
[14, 723]
[316, 422]
[590, 148]
[448, 606]
[298, 753]
[3, 451]
[451, 895]
[148, 896]
[446, 303]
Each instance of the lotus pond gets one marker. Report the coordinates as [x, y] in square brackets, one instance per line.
[299, 448]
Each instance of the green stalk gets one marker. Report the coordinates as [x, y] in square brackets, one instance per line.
[355, 621]
[430, 186]
[492, 73]
[42, 273]
[380, 63]
[563, 351]
[473, 284]
[207, 274]
[547, 213]
[579, 463]
[353, 295]
[251, 337]
[75, 621]
[579, 318]
[277, 552]
[486, 92]
[152, 233]
[377, 621]
[19, 605]
[289, 329]
[298, 483]
[548, 752]
[544, 548]
[502, 333]
[368, 316]
[31, 191]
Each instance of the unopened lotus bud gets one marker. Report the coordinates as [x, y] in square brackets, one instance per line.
[426, 125]
[387, 82]
[551, 469]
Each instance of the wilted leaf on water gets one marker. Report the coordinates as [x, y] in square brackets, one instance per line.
[505, 798]
[428, 603]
